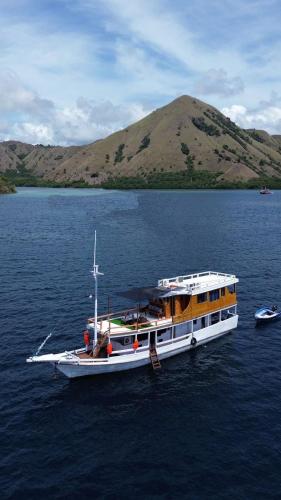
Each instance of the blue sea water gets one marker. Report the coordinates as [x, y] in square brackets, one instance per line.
[208, 426]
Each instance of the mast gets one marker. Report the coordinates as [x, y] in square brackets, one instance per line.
[95, 272]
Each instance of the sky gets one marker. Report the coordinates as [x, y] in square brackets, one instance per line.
[73, 71]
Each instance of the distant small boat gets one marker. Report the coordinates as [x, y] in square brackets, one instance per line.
[265, 190]
[267, 314]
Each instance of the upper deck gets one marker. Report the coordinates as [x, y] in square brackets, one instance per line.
[193, 284]
[174, 300]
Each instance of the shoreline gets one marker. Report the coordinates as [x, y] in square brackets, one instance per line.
[152, 188]
[182, 180]
[141, 186]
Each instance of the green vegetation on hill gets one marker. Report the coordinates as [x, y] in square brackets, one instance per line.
[228, 127]
[119, 154]
[185, 179]
[200, 179]
[144, 143]
[184, 149]
[255, 135]
[6, 187]
[25, 177]
[204, 127]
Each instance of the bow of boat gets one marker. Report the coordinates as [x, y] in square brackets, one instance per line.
[63, 357]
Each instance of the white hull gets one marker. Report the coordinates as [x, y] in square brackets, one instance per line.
[72, 366]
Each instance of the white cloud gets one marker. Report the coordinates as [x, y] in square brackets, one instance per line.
[217, 82]
[145, 73]
[266, 117]
[38, 120]
[55, 62]
[87, 121]
[163, 30]
[17, 97]
[189, 38]
[33, 133]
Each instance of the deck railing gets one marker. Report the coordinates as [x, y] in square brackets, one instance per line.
[180, 279]
[115, 313]
[140, 327]
[150, 325]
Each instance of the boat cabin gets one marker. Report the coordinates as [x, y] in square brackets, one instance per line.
[174, 309]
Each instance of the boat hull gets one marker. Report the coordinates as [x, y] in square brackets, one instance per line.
[139, 359]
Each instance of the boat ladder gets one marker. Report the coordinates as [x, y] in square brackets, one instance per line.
[154, 358]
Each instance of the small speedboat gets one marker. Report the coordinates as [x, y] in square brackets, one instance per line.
[267, 314]
[265, 190]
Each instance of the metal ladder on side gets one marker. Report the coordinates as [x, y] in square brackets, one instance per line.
[154, 358]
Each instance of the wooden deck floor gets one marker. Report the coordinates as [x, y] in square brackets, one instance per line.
[85, 355]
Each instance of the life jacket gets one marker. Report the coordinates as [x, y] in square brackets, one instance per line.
[136, 344]
[86, 337]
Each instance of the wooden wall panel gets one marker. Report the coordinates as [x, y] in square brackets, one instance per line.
[194, 309]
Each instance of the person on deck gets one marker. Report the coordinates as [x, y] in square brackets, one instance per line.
[87, 340]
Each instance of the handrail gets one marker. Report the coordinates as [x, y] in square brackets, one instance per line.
[170, 322]
[179, 279]
[136, 327]
[123, 311]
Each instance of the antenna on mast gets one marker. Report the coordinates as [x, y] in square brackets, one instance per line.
[95, 272]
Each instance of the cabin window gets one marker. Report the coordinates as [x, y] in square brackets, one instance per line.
[183, 329]
[164, 335]
[161, 332]
[199, 323]
[224, 314]
[215, 318]
[142, 336]
[202, 297]
[223, 292]
[214, 295]
[231, 312]
[231, 288]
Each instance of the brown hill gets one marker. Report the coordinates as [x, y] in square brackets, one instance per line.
[187, 133]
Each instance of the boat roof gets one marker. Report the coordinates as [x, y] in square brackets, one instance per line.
[191, 284]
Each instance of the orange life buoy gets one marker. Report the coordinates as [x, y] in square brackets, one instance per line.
[109, 348]
[86, 337]
[136, 344]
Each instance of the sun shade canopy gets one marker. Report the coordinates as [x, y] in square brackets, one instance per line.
[148, 293]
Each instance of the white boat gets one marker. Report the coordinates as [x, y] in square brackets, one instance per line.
[267, 314]
[176, 315]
